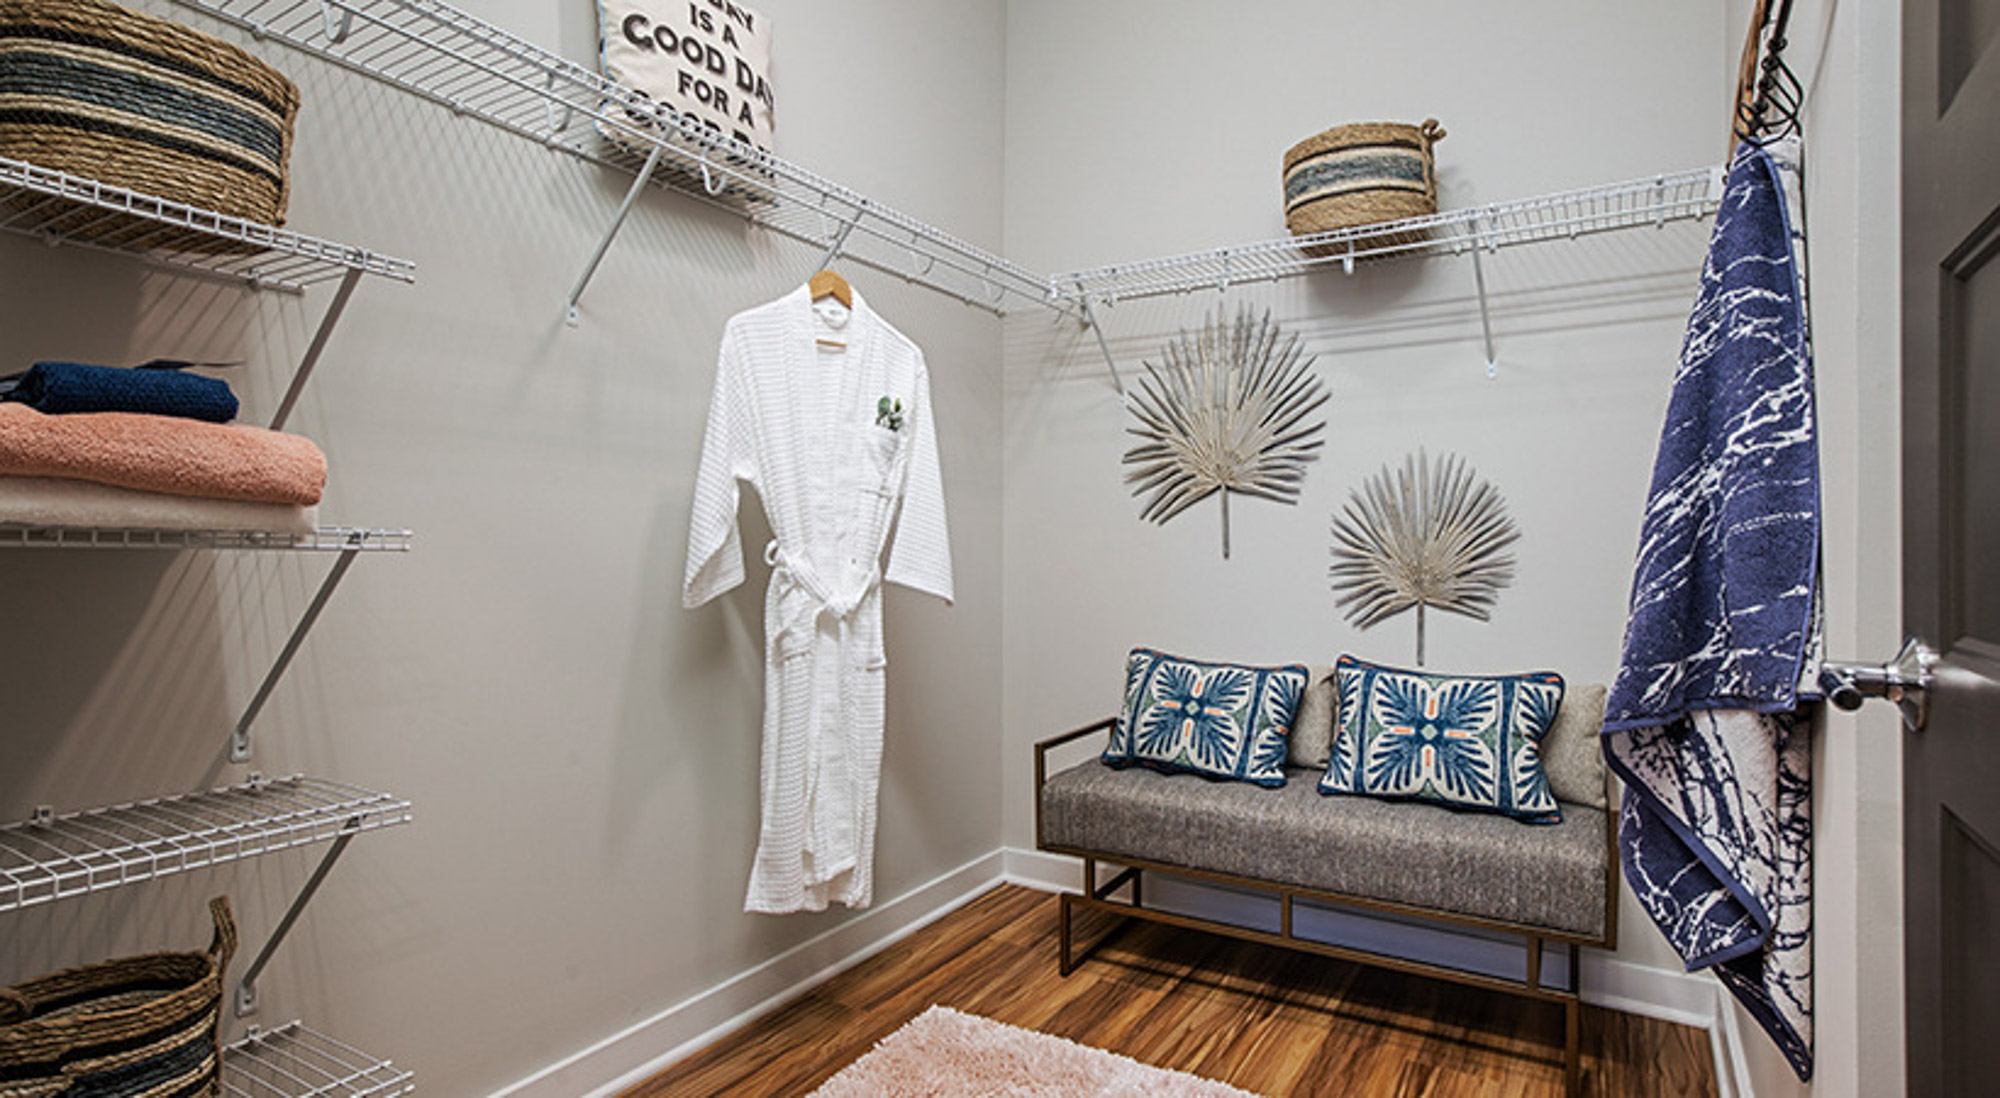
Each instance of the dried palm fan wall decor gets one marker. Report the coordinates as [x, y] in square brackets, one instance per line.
[1427, 535]
[1224, 412]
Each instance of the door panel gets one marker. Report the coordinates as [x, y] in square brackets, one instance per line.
[1970, 869]
[1965, 29]
[1951, 541]
[1969, 350]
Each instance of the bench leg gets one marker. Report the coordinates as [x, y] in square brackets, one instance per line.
[1066, 965]
[1573, 1048]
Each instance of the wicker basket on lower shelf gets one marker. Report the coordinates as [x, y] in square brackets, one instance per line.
[119, 97]
[136, 1025]
[1361, 174]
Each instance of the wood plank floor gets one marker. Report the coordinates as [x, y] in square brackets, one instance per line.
[1270, 1021]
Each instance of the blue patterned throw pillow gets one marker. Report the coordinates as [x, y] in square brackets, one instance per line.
[1215, 719]
[1457, 740]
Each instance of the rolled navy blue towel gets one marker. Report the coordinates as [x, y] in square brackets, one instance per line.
[57, 388]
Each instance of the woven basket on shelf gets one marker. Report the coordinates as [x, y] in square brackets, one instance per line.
[1361, 174]
[137, 1025]
[96, 90]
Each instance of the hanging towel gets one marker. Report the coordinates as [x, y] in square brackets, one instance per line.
[59, 388]
[180, 457]
[1704, 721]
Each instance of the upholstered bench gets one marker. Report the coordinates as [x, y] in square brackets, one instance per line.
[1539, 885]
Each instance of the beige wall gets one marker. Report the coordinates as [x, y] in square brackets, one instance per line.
[1173, 142]
[581, 752]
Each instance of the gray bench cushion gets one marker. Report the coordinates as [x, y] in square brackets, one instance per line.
[1550, 876]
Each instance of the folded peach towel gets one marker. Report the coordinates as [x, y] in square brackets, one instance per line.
[180, 457]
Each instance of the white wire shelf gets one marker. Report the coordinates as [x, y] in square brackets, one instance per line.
[55, 857]
[293, 1061]
[68, 209]
[325, 539]
[1561, 216]
[432, 50]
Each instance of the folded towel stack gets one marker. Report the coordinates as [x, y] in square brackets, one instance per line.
[272, 473]
[61, 388]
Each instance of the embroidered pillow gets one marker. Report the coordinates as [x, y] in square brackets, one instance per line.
[1457, 740]
[1218, 720]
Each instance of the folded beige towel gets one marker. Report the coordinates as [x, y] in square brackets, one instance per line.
[178, 457]
[48, 501]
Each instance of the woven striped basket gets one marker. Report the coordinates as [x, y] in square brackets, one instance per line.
[96, 90]
[1361, 174]
[137, 1025]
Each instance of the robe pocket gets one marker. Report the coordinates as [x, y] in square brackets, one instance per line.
[883, 446]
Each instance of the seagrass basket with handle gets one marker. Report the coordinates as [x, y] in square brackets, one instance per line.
[119, 97]
[1362, 173]
[148, 1024]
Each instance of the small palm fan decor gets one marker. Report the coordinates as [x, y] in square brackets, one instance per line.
[1225, 412]
[1427, 535]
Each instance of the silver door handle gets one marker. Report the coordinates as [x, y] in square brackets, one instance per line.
[1906, 681]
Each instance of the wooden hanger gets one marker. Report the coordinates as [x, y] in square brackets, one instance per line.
[829, 283]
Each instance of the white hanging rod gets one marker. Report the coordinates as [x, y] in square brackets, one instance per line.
[325, 539]
[53, 857]
[62, 208]
[1564, 215]
[437, 52]
[291, 1060]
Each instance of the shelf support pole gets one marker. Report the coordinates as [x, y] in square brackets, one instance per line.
[839, 240]
[611, 231]
[316, 348]
[1485, 314]
[1096, 329]
[246, 988]
[240, 745]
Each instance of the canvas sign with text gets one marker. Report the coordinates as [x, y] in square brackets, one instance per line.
[707, 59]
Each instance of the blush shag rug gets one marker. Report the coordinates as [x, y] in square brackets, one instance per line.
[945, 1052]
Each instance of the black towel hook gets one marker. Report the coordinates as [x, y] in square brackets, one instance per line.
[1773, 112]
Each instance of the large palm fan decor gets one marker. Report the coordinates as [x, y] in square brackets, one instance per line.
[1425, 535]
[1225, 412]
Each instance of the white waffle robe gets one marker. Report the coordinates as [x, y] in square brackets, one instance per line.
[803, 423]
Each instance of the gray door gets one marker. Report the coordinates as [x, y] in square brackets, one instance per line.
[1951, 540]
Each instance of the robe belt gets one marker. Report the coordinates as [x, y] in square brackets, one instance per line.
[832, 840]
[824, 603]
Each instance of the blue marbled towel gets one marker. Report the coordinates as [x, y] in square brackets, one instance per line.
[1703, 721]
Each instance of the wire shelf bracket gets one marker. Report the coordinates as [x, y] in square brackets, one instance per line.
[431, 50]
[604, 245]
[346, 541]
[246, 987]
[292, 1061]
[1090, 321]
[241, 747]
[1485, 310]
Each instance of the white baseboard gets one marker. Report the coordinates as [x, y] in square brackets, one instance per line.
[1038, 869]
[1725, 1040]
[646, 1047]
[1667, 994]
